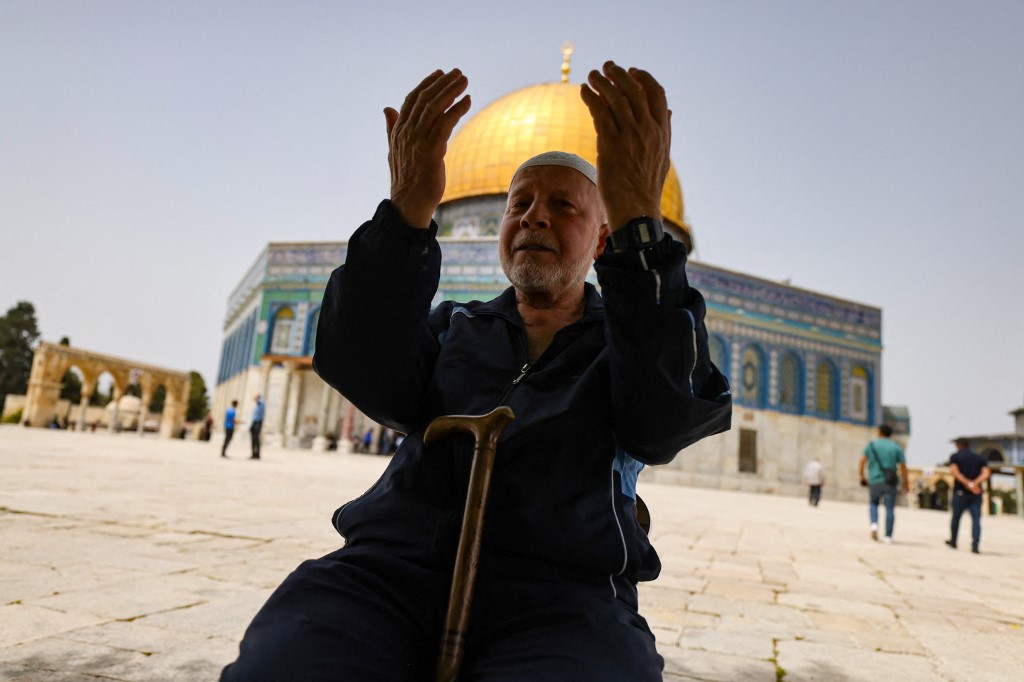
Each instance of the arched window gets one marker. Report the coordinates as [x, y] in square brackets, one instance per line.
[281, 336]
[752, 384]
[824, 389]
[859, 395]
[719, 357]
[314, 319]
[790, 384]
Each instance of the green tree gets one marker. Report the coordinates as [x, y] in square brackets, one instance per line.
[159, 397]
[100, 398]
[198, 400]
[71, 388]
[18, 335]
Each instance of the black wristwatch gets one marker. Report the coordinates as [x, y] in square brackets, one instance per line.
[638, 234]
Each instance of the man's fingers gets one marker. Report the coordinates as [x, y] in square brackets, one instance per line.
[390, 118]
[630, 89]
[444, 90]
[657, 102]
[448, 121]
[617, 105]
[604, 122]
[414, 94]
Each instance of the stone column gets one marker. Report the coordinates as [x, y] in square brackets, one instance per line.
[295, 407]
[175, 408]
[281, 437]
[320, 442]
[87, 390]
[345, 439]
[112, 427]
[333, 414]
[265, 367]
[1019, 476]
[143, 413]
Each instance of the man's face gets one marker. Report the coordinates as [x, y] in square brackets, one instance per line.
[552, 230]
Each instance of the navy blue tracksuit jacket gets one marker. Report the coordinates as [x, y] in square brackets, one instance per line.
[629, 384]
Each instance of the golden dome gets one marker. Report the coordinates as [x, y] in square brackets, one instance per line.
[484, 154]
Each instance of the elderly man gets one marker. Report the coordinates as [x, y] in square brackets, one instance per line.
[600, 386]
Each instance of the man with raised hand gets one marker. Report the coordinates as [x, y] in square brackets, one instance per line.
[601, 384]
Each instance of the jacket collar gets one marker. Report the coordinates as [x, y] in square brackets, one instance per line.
[505, 305]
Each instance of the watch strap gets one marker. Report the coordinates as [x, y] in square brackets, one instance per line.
[639, 233]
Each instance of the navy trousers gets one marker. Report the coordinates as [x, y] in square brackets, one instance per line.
[972, 503]
[361, 614]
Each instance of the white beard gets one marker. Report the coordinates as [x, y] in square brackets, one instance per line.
[528, 275]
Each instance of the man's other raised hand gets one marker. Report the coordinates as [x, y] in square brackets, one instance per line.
[634, 134]
[417, 141]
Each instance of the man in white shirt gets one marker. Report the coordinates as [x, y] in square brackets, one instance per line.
[814, 476]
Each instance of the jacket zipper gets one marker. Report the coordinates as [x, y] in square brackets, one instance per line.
[523, 371]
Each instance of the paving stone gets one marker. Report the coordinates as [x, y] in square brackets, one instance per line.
[816, 662]
[715, 667]
[735, 589]
[24, 623]
[144, 559]
[732, 643]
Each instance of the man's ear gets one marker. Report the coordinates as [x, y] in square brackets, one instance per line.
[602, 239]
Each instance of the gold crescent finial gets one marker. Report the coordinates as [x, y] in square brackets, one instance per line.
[567, 49]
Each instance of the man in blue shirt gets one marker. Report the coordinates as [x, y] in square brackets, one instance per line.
[970, 470]
[881, 455]
[229, 427]
[257, 425]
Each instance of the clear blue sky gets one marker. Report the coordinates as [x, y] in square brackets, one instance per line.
[869, 150]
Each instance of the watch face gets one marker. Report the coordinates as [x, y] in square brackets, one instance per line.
[638, 234]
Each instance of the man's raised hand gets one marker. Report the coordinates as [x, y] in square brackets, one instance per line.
[417, 141]
[634, 133]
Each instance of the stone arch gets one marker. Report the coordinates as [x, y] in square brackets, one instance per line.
[753, 376]
[826, 394]
[718, 349]
[993, 454]
[51, 361]
[791, 383]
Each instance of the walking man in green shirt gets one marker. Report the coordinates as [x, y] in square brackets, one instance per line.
[882, 456]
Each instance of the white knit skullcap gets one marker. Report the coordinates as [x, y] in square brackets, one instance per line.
[566, 159]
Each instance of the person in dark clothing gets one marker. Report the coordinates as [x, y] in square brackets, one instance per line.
[229, 426]
[601, 385]
[970, 471]
[256, 425]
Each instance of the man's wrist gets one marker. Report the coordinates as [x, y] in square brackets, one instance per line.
[638, 233]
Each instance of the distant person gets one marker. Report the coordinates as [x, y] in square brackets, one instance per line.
[883, 455]
[814, 477]
[256, 425]
[384, 441]
[970, 471]
[367, 440]
[229, 426]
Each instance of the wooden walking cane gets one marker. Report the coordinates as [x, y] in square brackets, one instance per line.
[485, 430]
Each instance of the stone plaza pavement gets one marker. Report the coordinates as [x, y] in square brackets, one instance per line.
[132, 558]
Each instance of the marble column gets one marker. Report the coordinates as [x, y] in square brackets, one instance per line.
[86, 396]
[143, 413]
[294, 407]
[281, 437]
[345, 439]
[1019, 476]
[112, 427]
[320, 442]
